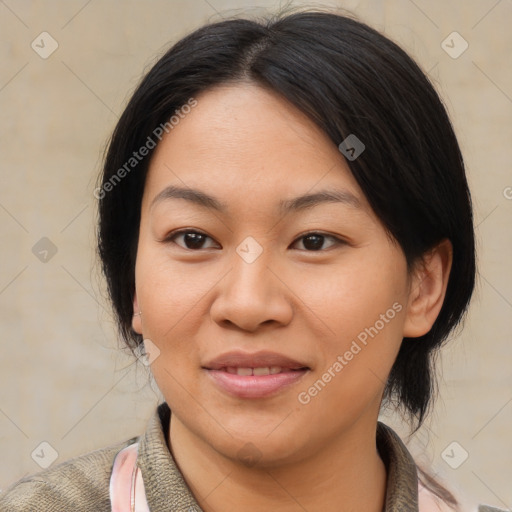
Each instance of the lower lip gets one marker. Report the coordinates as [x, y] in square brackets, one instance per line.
[254, 386]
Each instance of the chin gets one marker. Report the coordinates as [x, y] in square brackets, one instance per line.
[261, 450]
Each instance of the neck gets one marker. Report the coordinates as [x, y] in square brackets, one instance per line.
[347, 475]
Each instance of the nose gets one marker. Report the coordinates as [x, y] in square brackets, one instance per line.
[252, 295]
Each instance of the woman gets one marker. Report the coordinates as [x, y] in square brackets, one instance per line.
[286, 230]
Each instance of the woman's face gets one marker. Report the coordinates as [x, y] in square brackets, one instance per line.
[286, 270]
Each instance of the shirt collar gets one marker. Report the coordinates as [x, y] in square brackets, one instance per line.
[166, 488]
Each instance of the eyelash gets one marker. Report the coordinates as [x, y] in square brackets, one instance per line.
[338, 241]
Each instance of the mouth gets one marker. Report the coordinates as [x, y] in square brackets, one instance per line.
[259, 361]
[262, 370]
[256, 375]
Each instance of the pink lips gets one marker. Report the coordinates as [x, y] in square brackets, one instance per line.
[254, 375]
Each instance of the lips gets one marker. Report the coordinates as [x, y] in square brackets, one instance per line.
[257, 360]
[257, 375]
[262, 370]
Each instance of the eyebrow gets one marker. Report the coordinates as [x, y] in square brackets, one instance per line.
[298, 203]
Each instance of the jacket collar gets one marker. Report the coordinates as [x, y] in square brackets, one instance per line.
[166, 488]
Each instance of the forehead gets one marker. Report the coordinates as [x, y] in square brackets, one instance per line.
[250, 142]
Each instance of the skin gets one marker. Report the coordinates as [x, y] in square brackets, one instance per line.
[250, 149]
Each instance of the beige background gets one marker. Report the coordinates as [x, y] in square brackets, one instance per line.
[63, 378]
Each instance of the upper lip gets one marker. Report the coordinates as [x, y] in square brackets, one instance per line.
[240, 359]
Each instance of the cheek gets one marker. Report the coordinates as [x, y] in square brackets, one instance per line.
[353, 295]
[166, 297]
[363, 305]
[167, 290]
[355, 366]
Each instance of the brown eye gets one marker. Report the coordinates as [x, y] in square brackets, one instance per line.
[192, 240]
[315, 241]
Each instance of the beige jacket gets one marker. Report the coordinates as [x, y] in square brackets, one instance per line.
[82, 484]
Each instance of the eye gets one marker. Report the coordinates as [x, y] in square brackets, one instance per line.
[195, 240]
[191, 239]
[314, 241]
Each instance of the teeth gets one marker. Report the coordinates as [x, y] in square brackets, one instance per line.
[265, 370]
[261, 371]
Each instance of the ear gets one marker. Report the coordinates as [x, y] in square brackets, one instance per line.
[136, 319]
[428, 289]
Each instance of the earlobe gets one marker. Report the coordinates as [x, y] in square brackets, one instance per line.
[428, 289]
[136, 319]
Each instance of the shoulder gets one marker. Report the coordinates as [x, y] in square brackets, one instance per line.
[80, 484]
[429, 502]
